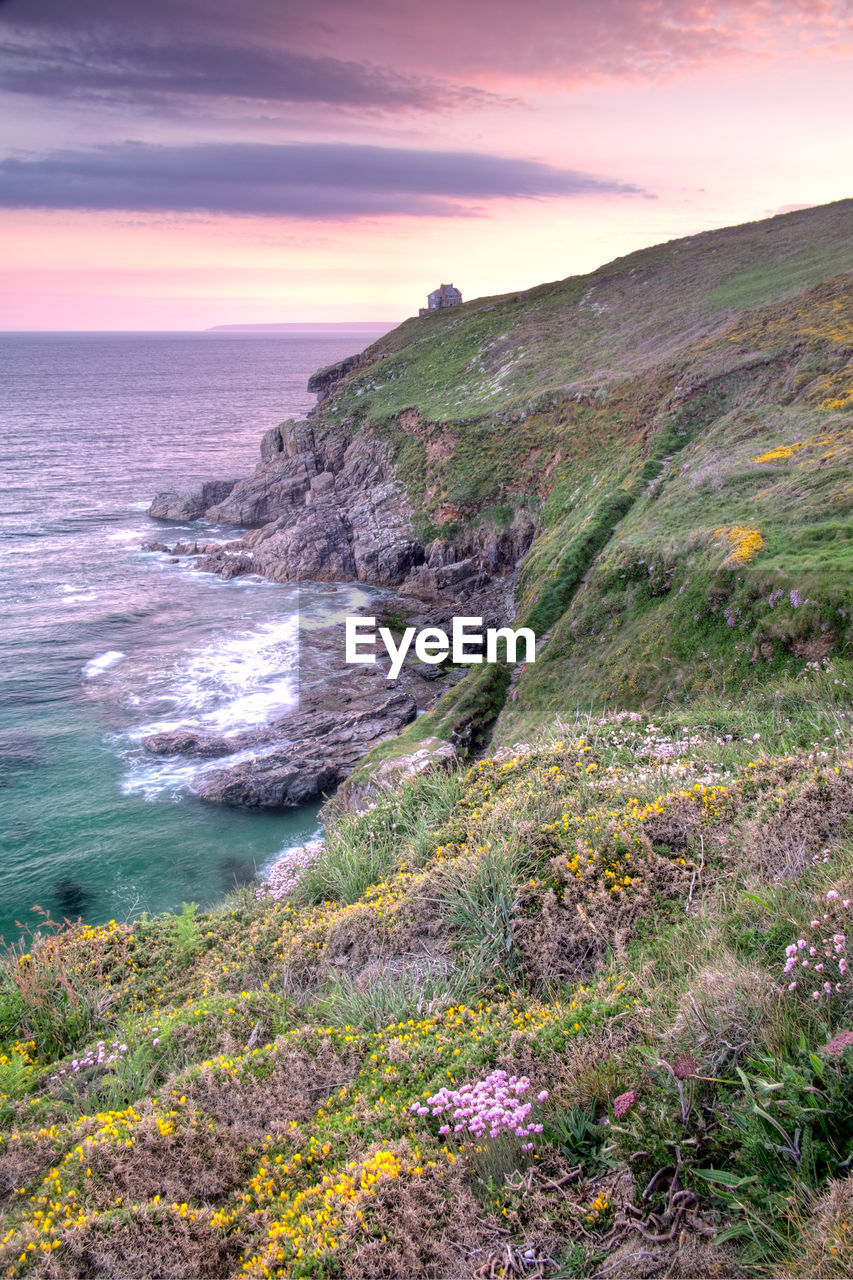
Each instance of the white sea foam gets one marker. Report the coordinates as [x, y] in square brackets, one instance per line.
[103, 661]
[154, 776]
[227, 687]
[243, 682]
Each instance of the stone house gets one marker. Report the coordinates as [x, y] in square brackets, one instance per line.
[446, 295]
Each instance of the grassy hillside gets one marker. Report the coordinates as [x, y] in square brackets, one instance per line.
[579, 1006]
[606, 915]
[594, 330]
[680, 424]
[733, 563]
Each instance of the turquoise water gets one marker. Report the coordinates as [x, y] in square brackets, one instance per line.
[102, 642]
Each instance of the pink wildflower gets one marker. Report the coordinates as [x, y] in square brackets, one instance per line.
[622, 1104]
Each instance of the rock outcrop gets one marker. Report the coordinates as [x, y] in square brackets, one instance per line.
[324, 381]
[325, 504]
[432, 754]
[192, 504]
[318, 509]
[308, 751]
[318, 748]
[324, 507]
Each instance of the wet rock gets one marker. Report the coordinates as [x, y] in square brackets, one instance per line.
[308, 750]
[235, 565]
[278, 781]
[190, 742]
[320, 743]
[428, 670]
[171, 505]
[73, 898]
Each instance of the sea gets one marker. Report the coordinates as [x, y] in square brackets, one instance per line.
[102, 642]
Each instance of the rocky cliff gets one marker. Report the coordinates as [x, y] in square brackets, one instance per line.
[648, 465]
[326, 504]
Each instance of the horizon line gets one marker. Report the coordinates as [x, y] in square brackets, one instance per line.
[285, 326]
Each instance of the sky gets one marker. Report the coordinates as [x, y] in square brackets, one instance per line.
[180, 164]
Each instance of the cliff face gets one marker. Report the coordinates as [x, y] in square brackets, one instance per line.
[325, 509]
[661, 449]
[326, 504]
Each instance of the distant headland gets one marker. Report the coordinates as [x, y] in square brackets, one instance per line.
[307, 326]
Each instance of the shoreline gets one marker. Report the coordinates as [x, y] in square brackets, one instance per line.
[324, 505]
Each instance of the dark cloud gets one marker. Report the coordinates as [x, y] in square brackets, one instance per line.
[443, 40]
[300, 180]
[125, 71]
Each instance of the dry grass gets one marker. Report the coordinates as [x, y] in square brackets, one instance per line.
[684, 1258]
[719, 1015]
[826, 1244]
[591, 1069]
[293, 1085]
[143, 1244]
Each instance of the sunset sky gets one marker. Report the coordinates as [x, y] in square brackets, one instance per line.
[177, 164]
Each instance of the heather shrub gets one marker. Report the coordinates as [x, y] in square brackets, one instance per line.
[179, 1156]
[351, 940]
[591, 903]
[431, 1226]
[808, 816]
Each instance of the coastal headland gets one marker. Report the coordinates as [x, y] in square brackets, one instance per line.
[634, 464]
[565, 989]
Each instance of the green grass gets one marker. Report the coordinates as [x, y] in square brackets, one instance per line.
[349, 866]
[605, 912]
[240, 1020]
[756, 285]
